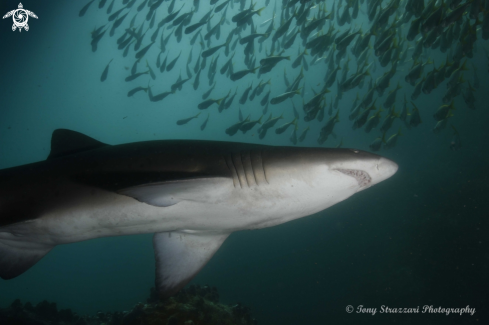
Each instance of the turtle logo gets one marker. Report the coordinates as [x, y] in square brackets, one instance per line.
[20, 17]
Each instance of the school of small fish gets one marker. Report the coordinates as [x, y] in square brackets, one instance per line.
[391, 42]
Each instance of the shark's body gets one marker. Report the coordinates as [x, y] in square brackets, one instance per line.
[191, 194]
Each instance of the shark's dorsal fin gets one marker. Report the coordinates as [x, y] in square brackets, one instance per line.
[66, 142]
[180, 256]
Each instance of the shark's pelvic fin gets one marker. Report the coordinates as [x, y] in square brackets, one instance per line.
[66, 142]
[15, 260]
[180, 256]
[163, 194]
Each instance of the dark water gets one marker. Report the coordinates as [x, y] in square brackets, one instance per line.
[419, 238]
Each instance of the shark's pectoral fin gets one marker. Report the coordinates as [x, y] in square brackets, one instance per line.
[180, 256]
[168, 193]
[15, 259]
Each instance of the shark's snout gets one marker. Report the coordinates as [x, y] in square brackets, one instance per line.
[386, 168]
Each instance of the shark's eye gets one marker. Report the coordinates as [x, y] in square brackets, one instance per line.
[362, 177]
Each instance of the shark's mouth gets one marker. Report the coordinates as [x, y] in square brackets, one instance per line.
[362, 177]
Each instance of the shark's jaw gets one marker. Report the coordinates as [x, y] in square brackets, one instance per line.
[223, 190]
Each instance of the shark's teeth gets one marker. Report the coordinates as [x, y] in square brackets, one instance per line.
[362, 177]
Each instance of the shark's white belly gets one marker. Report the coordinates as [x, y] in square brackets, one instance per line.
[111, 214]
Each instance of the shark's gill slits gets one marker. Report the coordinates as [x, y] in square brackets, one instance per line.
[232, 168]
[238, 163]
[248, 168]
[258, 169]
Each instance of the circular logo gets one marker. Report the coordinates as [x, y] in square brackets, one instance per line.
[20, 17]
[349, 309]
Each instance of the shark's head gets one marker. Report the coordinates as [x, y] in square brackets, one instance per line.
[321, 177]
[366, 168]
[355, 168]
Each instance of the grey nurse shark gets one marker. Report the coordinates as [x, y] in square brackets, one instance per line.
[191, 194]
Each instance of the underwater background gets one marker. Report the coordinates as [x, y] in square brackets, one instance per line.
[419, 238]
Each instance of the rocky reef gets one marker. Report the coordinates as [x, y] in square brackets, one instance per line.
[194, 305]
